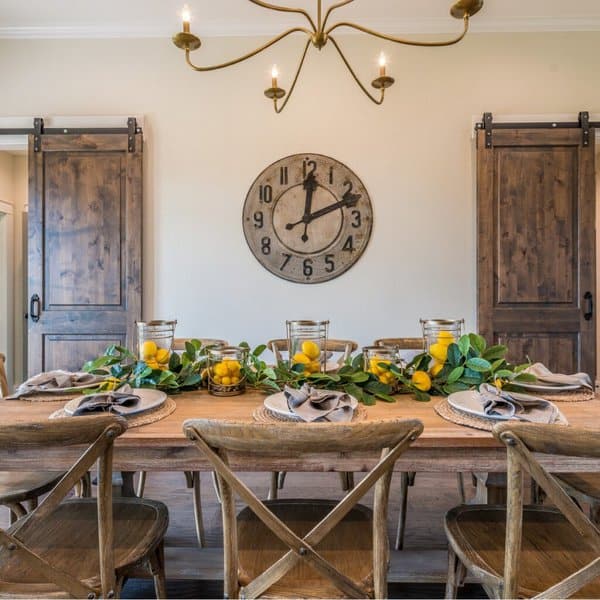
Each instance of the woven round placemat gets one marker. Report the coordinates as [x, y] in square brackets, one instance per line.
[575, 396]
[445, 411]
[144, 418]
[263, 415]
[48, 397]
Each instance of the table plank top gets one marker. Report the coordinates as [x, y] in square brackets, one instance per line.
[199, 404]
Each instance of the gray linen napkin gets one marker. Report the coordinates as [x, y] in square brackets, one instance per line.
[107, 402]
[55, 382]
[498, 404]
[311, 404]
[545, 375]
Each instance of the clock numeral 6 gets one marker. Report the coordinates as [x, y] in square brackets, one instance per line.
[265, 245]
[265, 193]
[259, 219]
[307, 267]
[329, 264]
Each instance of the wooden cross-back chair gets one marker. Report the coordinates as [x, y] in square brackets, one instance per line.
[20, 490]
[192, 478]
[81, 547]
[304, 548]
[529, 551]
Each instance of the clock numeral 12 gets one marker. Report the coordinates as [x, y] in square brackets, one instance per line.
[283, 175]
[265, 193]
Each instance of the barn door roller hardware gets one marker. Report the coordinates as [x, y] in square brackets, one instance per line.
[488, 125]
[39, 130]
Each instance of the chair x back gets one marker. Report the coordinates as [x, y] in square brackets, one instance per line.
[216, 439]
[548, 552]
[32, 562]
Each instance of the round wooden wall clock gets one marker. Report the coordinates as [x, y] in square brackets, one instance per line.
[307, 218]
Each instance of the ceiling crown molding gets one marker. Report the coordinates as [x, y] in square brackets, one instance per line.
[231, 28]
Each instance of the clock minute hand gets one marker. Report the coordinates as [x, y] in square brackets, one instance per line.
[348, 199]
[310, 185]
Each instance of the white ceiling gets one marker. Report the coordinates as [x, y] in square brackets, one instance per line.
[158, 18]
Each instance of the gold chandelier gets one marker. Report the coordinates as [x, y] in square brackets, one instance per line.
[319, 35]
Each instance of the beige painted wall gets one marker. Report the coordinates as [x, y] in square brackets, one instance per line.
[209, 135]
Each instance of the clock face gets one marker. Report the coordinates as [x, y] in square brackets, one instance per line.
[307, 218]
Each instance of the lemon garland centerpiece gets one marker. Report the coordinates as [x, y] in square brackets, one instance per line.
[449, 366]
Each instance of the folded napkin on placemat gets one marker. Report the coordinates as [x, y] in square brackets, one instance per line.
[311, 404]
[545, 375]
[107, 402]
[57, 382]
[498, 404]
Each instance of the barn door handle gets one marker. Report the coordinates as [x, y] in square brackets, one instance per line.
[589, 308]
[34, 308]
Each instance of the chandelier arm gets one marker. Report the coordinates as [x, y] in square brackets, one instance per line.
[355, 76]
[240, 59]
[278, 109]
[286, 9]
[391, 38]
[332, 8]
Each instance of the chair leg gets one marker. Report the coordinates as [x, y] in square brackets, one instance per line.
[16, 512]
[141, 485]
[456, 575]
[83, 488]
[595, 513]
[216, 486]
[157, 569]
[350, 477]
[273, 486]
[198, 509]
[402, 516]
[281, 479]
[344, 480]
[461, 487]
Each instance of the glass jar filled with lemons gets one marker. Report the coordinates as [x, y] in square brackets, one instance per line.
[226, 370]
[438, 335]
[155, 341]
[377, 360]
[307, 342]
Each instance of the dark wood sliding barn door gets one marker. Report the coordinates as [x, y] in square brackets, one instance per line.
[536, 245]
[85, 229]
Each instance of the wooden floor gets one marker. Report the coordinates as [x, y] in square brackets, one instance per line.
[431, 497]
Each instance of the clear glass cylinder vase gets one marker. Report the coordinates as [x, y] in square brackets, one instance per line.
[307, 343]
[377, 358]
[226, 370]
[441, 331]
[155, 342]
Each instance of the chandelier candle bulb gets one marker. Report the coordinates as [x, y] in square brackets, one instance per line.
[186, 17]
[274, 75]
[382, 65]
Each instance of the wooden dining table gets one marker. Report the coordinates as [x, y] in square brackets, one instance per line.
[161, 446]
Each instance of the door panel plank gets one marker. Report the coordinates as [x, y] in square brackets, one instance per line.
[536, 245]
[84, 246]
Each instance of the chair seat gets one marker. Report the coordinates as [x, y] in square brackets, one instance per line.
[586, 483]
[348, 547]
[551, 547]
[18, 486]
[68, 540]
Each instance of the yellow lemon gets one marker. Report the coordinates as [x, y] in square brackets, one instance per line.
[149, 349]
[301, 358]
[421, 381]
[162, 355]
[221, 369]
[311, 349]
[387, 378]
[439, 352]
[436, 369]
[498, 383]
[152, 364]
[226, 380]
[235, 380]
[445, 338]
[217, 379]
[314, 366]
[110, 383]
[233, 366]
